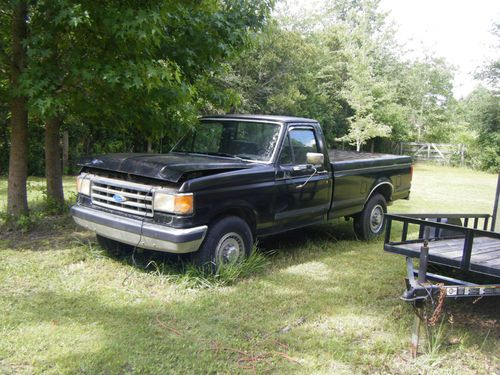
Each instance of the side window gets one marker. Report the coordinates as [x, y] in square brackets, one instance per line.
[302, 141]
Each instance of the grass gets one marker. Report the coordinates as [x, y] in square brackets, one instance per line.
[317, 302]
[40, 205]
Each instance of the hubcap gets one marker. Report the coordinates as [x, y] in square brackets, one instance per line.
[230, 249]
[376, 218]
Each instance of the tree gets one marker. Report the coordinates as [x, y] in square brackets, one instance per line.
[271, 75]
[481, 112]
[134, 65]
[362, 91]
[18, 166]
[358, 92]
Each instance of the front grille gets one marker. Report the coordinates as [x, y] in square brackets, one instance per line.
[124, 196]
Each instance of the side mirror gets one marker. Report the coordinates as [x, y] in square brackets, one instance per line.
[315, 158]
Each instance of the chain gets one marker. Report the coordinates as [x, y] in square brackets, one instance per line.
[439, 307]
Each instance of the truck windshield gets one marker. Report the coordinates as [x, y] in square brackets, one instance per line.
[238, 139]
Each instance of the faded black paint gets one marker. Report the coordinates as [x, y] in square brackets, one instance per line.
[267, 195]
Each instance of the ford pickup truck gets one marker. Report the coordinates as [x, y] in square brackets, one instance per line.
[231, 180]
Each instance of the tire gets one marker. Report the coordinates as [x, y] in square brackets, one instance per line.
[370, 223]
[114, 247]
[229, 240]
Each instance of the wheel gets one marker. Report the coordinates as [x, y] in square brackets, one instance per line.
[228, 241]
[114, 247]
[370, 222]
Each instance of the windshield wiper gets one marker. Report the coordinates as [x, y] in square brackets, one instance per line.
[210, 153]
[222, 154]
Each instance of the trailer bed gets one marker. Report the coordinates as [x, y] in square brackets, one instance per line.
[472, 250]
[485, 254]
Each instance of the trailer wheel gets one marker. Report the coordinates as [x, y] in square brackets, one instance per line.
[114, 247]
[370, 222]
[228, 241]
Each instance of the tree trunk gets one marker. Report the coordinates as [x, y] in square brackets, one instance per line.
[18, 159]
[53, 167]
[65, 157]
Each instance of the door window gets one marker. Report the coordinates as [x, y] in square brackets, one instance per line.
[296, 146]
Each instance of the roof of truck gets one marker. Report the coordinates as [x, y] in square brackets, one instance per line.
[273, 118]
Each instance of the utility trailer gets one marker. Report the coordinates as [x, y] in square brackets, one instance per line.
[463, 254]
[461, 250]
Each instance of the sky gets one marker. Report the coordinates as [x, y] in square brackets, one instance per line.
[458, 30]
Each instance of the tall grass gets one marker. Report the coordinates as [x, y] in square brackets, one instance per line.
[183, 272]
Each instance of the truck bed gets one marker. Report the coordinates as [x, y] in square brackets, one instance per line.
[346, 160]
[356, 174]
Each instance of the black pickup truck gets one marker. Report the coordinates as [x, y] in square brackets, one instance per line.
[231, 180]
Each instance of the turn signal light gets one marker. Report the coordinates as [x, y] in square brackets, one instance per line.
[181, 204]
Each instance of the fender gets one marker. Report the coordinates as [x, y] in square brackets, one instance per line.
[235, 205]
[379, 183]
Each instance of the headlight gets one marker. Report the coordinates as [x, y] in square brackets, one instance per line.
[83, 183]
[181, 204]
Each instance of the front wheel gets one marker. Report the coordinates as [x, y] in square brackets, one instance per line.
[229, 240]
[370, 222]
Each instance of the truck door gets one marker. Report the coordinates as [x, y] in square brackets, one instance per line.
[304, 190]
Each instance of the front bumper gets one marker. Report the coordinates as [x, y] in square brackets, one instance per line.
[139, 233]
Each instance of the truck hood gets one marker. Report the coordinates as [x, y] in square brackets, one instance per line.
[170, 167]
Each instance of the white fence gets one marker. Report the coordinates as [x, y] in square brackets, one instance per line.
[442, 153]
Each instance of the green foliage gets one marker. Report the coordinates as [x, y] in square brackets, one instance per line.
[361, 90]
[478, 119]
[23, 223]
[344, 69]
[132, 70]
[269, 73]
[133, 76]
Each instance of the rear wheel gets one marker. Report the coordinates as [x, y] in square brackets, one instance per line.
[114, 247]
[229, 240]
[370, 222]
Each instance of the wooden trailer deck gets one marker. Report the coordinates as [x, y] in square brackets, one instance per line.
[470, 249]
[485, 254]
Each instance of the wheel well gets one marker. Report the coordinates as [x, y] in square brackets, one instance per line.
[384, 188]
[245, 214]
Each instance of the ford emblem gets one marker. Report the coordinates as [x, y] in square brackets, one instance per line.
[119, 198]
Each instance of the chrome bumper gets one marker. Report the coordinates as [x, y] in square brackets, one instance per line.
[134, 232]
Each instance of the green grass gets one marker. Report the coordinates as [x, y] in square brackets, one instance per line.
[323, 303]
[36, 187]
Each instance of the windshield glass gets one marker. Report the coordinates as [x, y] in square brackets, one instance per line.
[239, 139]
